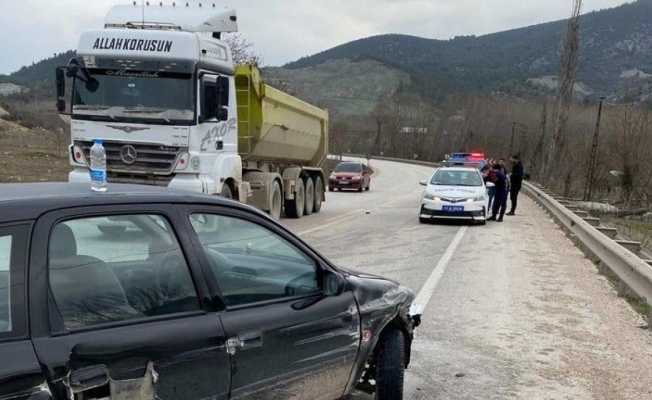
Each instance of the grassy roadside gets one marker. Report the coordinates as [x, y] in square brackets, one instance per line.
[632, 228]
[31, 155]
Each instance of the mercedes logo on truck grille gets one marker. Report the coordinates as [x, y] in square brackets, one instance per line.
[128, 154]
[127, 129]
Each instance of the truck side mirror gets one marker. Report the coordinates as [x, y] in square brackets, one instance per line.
[61, 89]
[222, 96]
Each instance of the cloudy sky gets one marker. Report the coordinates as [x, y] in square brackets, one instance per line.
[282, 30]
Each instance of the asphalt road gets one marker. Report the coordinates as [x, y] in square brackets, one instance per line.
[514, 310]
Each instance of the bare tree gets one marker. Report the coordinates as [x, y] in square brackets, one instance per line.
[567, 77]
[242, 49]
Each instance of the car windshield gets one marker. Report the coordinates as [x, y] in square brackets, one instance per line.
[456, 178]
[163, 97]
[349, 167]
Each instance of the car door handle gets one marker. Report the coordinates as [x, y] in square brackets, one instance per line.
[251, 340]
[244, 342]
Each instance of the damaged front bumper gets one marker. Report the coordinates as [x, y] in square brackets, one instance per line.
[414, 314]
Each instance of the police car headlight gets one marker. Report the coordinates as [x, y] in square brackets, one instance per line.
[476, 198]
[430, 196]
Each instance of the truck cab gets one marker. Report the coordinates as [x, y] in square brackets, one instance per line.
[161, 95]
[173, 110]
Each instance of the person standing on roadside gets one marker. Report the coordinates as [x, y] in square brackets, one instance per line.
[503, 169]
[489, 177]
[516, 182]
[500, 201]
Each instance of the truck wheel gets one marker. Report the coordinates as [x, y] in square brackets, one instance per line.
[277, 201]
[310, 196]
[390, 366]
[226, 192]
[294, 208]
[319, 193]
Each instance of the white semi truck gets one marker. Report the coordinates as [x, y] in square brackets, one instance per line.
[159, 87]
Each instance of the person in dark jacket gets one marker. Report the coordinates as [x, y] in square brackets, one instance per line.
[500, 201]
[489, 177]
[516, 182]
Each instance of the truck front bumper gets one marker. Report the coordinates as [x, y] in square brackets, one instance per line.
[184, 182]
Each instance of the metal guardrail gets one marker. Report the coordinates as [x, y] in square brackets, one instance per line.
[632, 271]
[399, 160]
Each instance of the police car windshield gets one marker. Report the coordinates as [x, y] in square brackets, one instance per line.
[126, 95]
[456, 178]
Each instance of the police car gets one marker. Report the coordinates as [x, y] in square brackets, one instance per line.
[454, 193]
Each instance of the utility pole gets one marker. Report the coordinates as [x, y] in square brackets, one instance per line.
[593, 160]
[511, 142]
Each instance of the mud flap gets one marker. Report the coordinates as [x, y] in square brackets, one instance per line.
[135, 389]
[128, 389]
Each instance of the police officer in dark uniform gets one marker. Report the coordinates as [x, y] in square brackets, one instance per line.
[516, 182]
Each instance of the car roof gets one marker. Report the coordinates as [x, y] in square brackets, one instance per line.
[27, 201]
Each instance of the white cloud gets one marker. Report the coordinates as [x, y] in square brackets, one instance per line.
[283, 30]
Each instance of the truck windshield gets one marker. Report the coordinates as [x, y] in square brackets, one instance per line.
[159, 97]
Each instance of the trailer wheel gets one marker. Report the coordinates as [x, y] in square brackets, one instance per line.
[226, 192]
[277, 201]
[310, 196]
[319, 193]
[295, 208]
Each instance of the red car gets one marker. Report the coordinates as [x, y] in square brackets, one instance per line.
[350, 176]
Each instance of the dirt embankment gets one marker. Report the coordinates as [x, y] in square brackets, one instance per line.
[32, 155]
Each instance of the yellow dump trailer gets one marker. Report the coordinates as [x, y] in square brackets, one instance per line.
[276, 126]
[283, 143]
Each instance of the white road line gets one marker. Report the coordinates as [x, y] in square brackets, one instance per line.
[426, 292]
[332, 222]
[348, 215]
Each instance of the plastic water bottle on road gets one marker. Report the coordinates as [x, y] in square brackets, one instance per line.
[98, 166]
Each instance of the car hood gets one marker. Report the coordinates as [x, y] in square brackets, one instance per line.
[455, 192]
[376, 294]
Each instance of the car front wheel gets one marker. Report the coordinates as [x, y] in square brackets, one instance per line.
[390, 366]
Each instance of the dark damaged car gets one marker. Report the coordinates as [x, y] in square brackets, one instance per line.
[142, 293]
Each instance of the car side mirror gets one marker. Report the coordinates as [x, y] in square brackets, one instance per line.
[334, 284]
[423, 183]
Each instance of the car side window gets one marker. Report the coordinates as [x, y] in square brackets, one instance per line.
[251, 263]
[110, 269]
[5, 283]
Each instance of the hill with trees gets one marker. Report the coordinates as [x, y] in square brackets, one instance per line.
[615, 56]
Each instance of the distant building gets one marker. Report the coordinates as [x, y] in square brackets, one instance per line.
[411, 130]
[7, 89]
